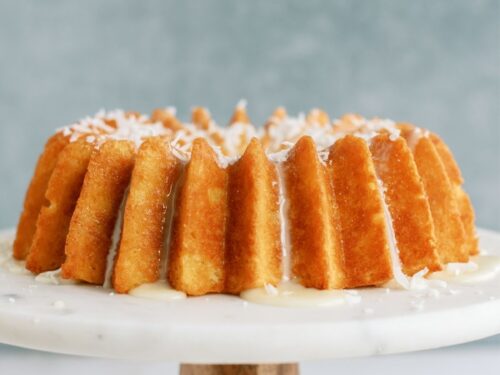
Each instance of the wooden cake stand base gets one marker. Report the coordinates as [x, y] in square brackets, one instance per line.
[280, 369]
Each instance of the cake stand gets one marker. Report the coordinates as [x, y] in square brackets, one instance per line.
[223, 330]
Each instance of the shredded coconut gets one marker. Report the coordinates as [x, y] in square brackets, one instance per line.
[229, 142]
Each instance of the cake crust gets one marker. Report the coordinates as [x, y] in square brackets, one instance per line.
[410, 212]
[47, 251]
[315, 234]
[35, 195]
[450, 232]
[463, 201]
[92, 224]
[196, 255]
[364, 232]
[144, 221]
[253, 253]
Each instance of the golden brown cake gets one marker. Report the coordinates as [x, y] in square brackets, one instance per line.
[35, 196]
[91, 228]
[410, 212]
[196, 256]
[313, 218]
[122, 199]
[253, 248]
[63, 191]
[144, 220]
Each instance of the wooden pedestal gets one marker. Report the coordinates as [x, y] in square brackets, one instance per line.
[280, 369]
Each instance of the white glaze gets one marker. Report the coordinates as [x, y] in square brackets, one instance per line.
[15, 266]
[286, 258]
[169, 221]
[159, 290]
[481, 268]
[292, 294]
[115, 242]
[8, 262]
[53, 277]
[397, 270]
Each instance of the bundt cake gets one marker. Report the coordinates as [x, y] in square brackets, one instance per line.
[122, 199]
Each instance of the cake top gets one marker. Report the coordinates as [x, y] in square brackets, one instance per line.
[278, 135]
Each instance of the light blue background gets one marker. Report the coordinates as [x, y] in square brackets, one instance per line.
[435, 63]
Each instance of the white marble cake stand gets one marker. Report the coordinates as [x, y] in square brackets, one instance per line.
[85, 320]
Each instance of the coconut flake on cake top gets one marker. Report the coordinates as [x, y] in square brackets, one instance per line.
[115, 125]
[280, 133]
[366, 129]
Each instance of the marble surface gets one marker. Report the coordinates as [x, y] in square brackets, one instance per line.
[92, 321]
